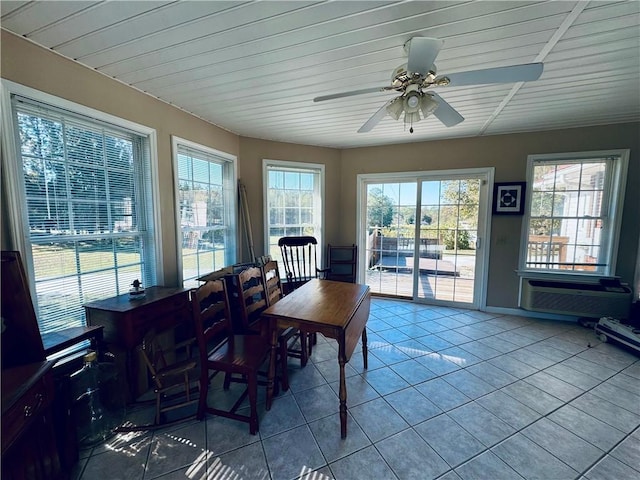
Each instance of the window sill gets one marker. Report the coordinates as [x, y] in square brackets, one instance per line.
[569, 276]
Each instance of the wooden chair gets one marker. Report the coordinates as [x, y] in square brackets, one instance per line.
[173, 381]
[289, 338]
[300, 261]
[238, 356]
[248, 298]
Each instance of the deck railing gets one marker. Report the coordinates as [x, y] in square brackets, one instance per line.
[544, 251]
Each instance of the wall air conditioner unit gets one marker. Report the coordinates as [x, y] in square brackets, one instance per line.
[595, 300]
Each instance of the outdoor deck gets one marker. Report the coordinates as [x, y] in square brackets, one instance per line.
[426, 265]
[446, 287]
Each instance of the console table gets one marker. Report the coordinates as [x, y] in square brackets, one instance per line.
[127, 320]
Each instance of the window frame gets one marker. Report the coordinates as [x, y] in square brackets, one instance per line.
[316, 169]
[613, 199]
[231, 198]
[14, 195]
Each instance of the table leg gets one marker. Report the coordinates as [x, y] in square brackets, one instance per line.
[365, 352]
[343, 392]
[272, 363]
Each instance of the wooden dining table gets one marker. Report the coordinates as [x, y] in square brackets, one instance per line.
[337, 310]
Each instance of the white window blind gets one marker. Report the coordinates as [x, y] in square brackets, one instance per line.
[88, 204]
[206, 196]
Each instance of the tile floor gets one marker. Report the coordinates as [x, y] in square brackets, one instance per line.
[449, 394]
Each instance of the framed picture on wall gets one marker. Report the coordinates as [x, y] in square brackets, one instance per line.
[508, 198]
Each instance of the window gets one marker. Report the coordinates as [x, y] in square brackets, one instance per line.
[293, 202]
[573, 212]
[85, 207]
[206, 209]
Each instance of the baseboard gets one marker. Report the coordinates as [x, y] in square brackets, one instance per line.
[520, 312]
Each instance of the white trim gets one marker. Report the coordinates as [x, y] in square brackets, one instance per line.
[301, 166]
[618, 204]
[361, 233]
[12, 182]
[232, 159]
[579, 155]
[13, 189]
[157, 208]
[485, 247]
[17, 89]
[175, 141]
[434, 174]
[561, 276]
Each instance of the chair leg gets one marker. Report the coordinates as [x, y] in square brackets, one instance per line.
[283, 365]
[187, 387]
[158, 395]
[304, 352]
[285, 381]
[312, 340]
[253, 403]
[204, 391]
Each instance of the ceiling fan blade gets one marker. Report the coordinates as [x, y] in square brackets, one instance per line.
[422, 53]
[510, 74]
[351, 93]
[375, 118]
[445, 112]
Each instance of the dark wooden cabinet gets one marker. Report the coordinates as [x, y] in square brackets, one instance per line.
[342, 262]
[126, 321]
[29, 449]
[27, 391]
[21, 342]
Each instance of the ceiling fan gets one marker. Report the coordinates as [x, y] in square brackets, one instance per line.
[419, 74]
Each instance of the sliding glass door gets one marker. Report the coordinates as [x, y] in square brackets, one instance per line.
[421, 235]
[449, 236]
[390, 238]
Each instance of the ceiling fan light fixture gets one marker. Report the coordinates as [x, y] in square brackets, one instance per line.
[395, 108]
[411, 117]
[412, 102]
[428, 105]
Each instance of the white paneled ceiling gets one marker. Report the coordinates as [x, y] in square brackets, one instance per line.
[254, 67]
